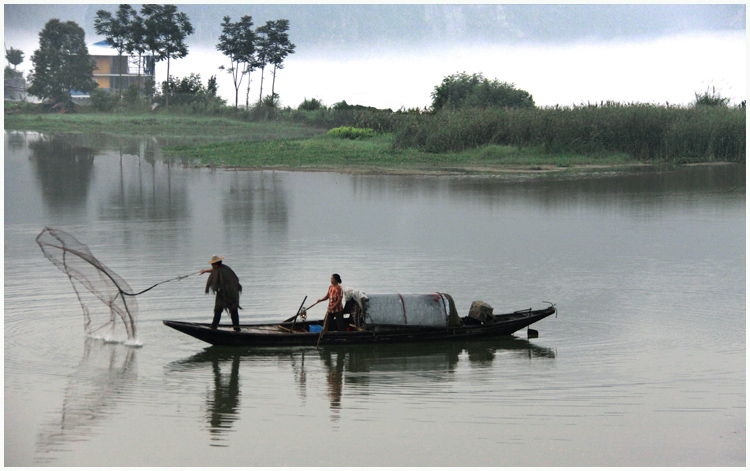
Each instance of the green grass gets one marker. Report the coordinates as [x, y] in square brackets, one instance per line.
[468, 142]
[159, 125]
[378, 153]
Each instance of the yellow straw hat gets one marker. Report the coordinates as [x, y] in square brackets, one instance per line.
[215, 259]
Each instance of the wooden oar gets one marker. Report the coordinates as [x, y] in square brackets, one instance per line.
[311, 305]
[322, 331]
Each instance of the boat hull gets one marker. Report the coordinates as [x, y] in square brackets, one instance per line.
[278, 334]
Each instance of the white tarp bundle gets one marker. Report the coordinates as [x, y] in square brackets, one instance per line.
[429, 310]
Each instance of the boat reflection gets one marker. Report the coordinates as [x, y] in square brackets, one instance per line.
[351, 369]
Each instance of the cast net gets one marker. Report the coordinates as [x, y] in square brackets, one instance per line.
[109, 306]
[102, 293]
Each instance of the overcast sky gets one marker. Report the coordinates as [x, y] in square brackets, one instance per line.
[392, 56]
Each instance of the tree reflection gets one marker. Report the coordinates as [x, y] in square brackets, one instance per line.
[256, 197]
[146, 190]
[63, 170]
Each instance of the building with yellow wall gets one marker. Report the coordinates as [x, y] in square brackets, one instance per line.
[115, 73]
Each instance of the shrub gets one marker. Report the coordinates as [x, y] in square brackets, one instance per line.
[102, 100]
[461, 90]
[267, 108]
[312, 104]
[348, 132]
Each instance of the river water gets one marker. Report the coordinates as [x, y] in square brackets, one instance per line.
[644, 365]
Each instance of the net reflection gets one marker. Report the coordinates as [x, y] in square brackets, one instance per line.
[348, 371]
[105, 374]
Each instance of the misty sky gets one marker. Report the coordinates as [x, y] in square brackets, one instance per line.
[392, 56]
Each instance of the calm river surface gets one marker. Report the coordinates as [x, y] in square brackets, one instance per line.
[645, 365]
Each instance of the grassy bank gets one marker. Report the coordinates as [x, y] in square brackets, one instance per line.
[489, 140]
[331, 153]
[160, 124]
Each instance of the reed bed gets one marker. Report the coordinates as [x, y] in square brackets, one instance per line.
[643, 132]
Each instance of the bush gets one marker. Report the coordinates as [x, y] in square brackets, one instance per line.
[190, 94]
[348, 132]
[311, 105]
[266, 109]
[459, 91]
[102, 100]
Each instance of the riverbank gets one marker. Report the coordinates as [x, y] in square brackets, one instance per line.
[190, 127]
[378, 155]
[226, 141]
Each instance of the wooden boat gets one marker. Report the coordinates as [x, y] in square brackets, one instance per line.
[416, 326]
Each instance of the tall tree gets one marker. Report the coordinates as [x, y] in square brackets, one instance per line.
[136, 39]
[166, 32]
[14, 57]
[237, 41]
[62, 63]
[262, 53]
[279, 47]
[116, 30]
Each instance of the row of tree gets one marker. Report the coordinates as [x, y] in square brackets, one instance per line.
[63, 63]
[162, 31]
[250, 50]
[158, 29]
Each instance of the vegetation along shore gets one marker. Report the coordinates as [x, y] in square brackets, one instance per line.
[473, 124]
[464, 140]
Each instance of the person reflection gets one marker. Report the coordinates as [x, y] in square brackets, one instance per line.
[224, 403]
[335, 379]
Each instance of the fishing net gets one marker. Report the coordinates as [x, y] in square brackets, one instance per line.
[101, 292]
[108, 302]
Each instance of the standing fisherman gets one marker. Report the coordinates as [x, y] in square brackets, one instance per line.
[224, 282]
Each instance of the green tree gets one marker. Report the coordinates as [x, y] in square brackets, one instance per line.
[14, 57]
[273, 47]
[116, 31]
[279, 47]
[461, 90]
[237, 42]
[135, 42]
[62, 63]
[262, 53]
[166, 32]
